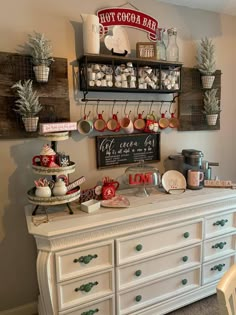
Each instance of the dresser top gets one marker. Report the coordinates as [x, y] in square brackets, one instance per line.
[158, 203]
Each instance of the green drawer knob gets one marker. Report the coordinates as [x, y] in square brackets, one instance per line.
[185, 258]
[85, 259]
[218, 267]
[186, 234]
[86, 287]
[219, 245]
[90, 312]
[139, 247]
[220, 222]
[184, 281]
[138, 298]
[138, 273]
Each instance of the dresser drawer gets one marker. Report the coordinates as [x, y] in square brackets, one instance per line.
[157, 241]
[154, 292]
[100, 307]
[220, 224]
[219, 246]
[164, 264]
[214, 270]
[86, 289]
[81, 261]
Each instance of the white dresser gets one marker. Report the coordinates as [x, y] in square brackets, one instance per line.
[161, 253]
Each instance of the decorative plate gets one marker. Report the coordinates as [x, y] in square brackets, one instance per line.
[119, 41]
[116, 202]
[174, 182]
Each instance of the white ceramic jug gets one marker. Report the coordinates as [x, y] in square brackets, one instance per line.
[91, 33]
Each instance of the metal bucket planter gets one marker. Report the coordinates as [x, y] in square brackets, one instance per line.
[41, 73]
[30, 123]
[212, 119]
[207, 81]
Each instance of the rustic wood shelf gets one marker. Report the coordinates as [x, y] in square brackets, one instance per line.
[53, 95]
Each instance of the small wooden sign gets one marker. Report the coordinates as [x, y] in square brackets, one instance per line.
[146, 50]
[120, 150]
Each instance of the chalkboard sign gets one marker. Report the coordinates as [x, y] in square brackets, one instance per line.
[120, 150]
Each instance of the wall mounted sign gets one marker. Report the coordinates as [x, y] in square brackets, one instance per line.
[120, 150]
[128, 17]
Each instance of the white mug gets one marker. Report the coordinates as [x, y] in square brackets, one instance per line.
[195, 179]
[127, 124]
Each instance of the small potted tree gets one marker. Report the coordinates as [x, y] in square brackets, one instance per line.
[27, 105]
[206, 62]
[211, 106]
[40, 50]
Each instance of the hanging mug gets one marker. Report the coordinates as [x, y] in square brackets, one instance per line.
[99, 123]
[139, 123]
[173, 121]
[163, 121]
[127, 124]
[113, 123]
[85, 126]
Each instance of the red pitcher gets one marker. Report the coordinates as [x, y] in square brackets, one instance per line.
[109, 188]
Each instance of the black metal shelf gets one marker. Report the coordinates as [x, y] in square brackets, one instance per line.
[159, 69]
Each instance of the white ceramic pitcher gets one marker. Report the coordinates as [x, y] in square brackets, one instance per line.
[91, 33]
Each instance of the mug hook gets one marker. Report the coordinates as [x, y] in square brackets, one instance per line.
[85, 105]
[138, 107]
[125, 107]
[171, 112]
[151, 107]
[112, 111]
[98, 101]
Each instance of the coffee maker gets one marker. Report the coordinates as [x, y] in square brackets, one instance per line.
[189, 159]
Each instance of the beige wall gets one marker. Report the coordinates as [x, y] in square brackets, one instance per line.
[60, 21]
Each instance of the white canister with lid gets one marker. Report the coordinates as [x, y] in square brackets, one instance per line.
[59, 188]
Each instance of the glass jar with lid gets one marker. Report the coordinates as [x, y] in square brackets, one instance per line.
[172, 49]
[142, 176]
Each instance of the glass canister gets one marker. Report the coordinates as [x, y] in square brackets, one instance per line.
[141, 176]
[172, 49]
[160, 45]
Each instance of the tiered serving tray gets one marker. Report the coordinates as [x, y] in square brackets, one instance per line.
[38, 169]
[52, 201]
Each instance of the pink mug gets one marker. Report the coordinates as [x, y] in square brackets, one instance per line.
[195, 179]
[99, 123]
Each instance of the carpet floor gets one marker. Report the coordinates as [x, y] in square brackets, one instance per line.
[207, 306]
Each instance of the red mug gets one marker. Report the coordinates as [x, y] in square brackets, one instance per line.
[109, 190]
[139, 123]
[100, 124]
[163, 122]
[44, 160]
[113, 124]
[173, 121]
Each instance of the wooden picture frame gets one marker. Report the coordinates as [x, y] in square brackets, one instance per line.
[146, 50]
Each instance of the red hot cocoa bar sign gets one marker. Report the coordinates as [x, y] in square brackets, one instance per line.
[130, 18]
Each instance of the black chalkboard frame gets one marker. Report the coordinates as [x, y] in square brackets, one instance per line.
[153, 155]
